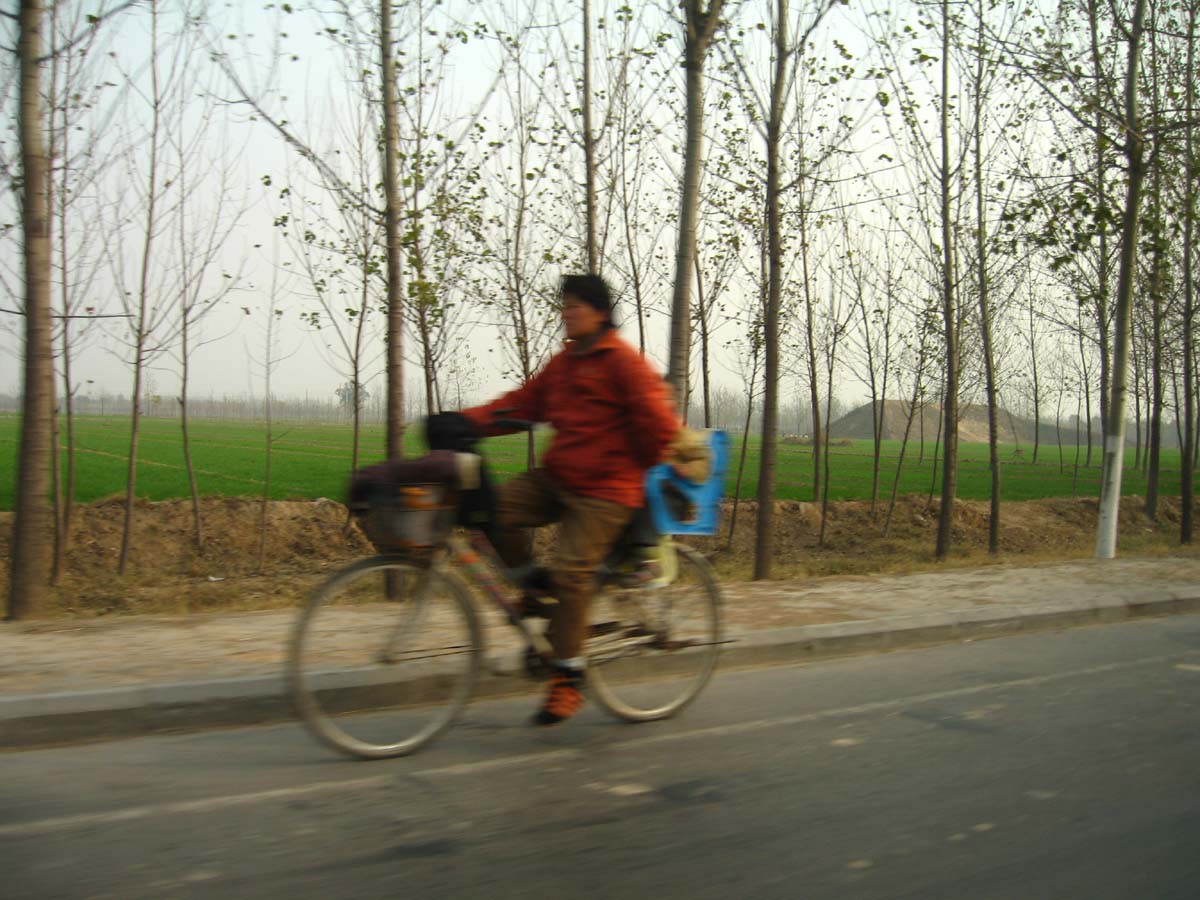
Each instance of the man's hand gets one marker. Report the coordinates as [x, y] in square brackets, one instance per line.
[451, 431]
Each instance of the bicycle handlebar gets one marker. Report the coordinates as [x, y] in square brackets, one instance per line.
[515, 424]
[500, 421]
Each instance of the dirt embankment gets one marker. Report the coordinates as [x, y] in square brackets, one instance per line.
[306, 540]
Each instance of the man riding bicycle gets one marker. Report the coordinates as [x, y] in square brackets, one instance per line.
[612, 421]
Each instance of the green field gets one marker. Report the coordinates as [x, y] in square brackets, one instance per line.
[310, 461]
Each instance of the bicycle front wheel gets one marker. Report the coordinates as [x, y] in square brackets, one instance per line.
[383, 657]
[653, 649]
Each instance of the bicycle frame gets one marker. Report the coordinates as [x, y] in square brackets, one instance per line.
[468, 556]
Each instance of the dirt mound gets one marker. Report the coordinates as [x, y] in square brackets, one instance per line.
[857, 541]
[972, 423]
[165, 566]
[306, 539]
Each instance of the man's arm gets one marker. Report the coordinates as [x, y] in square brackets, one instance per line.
[526, 402]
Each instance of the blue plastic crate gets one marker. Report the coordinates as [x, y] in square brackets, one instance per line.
[705, 497]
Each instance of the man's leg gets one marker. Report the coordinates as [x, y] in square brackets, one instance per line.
[590, 527]
[526, 501]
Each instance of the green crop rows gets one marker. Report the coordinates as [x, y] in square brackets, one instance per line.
[310, 461]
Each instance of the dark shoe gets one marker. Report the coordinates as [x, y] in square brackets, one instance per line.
[563, 699]
[529, 607]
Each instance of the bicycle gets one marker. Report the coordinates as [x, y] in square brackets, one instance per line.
[651, 649]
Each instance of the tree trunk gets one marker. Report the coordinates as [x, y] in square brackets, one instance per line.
[912, 411]
[142, 315]
[264, 506]
[949, 312]
[1154, 438]
[737, 485]
[1114, 442]
[197, 528]
[1157, 282]
[1062, 463]
[1102, 287]
[814, 394]
[699, 29]
[56, 488]
[1037, 396]
[1075, 469]
[589, 143]
[825, 443]
[639, 305]
[54, 197]
[702, 320]
[394, 240]
[985, 310]
[32, 524]
[765, 527]
[937, 449]
[1187, 454]
[1137, 404]
[131, 467]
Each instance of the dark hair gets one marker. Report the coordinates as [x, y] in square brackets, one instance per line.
[591, 289]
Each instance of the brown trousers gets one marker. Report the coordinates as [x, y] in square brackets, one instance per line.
[589, 528]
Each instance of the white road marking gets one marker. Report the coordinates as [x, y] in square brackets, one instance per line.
[1187, 667]
[845, 742]
[630, 790]
[85, 820]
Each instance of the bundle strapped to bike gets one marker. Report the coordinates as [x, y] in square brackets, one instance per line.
[409, 505]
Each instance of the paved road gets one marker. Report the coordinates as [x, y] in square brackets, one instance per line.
[1057, 766]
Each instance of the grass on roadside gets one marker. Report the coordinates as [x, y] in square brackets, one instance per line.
[310, 461]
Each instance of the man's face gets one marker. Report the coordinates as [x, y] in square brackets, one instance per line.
[580, 319]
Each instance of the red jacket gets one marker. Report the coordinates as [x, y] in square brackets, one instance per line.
[611, 416]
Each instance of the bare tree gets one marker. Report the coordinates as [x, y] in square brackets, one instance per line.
[271, 358]
[589, 143]
[32, 523]
[875, 305]
[1134, 150]
[949, 310]
[392, 210]
[521, 241]
[207, 213]
[144, 291]
[1191, 173]
[81, 104]
[788, 41]
[916, 406]
[700, 27]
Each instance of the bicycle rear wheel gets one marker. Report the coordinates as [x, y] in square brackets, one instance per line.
[383, 657]
[653, 649]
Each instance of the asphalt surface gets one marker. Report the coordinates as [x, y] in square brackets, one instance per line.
[1054, 765]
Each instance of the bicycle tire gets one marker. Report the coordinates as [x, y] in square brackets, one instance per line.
[642, 666]
[377, 711]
